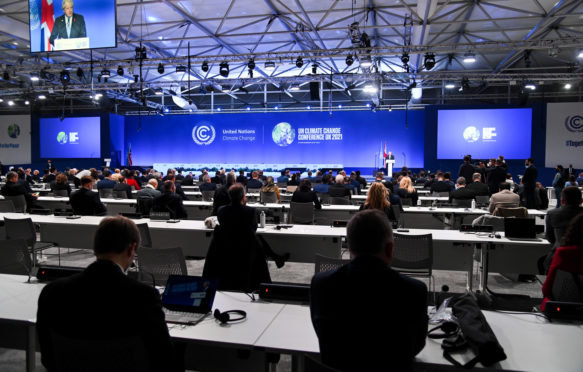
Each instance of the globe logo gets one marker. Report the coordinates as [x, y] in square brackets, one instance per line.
[283, 134]
[62, 138]
[13, 131]
[574, 123]
[471, 134]
[203, 134]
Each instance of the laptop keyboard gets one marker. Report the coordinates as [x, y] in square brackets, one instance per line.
[183, 317]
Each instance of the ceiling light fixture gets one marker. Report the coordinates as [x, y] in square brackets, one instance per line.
[315, 68]
[160, 68]
[270, 65]
[365, 61]
[65, 77]
[120, 71]
[299, 62]
[349, 60]
[105, 73]
[182, 68]
[41, 96]
[370, 88]
[530, 86]
[469, 57]
[204, 67]
[429, 61]
[449, 85]
[568, 86]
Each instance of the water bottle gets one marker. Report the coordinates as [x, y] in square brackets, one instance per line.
[284, 215]
[262, 219]
[418, 202]
[473, 203]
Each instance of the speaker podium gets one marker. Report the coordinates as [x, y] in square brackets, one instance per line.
[390, 164]
[71, 44]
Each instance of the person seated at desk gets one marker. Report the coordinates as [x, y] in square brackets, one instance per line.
[188, 180]
[304, 194]
[271, 187]
[407, 191]
[294, 180]
[558, 219]
[430, 181]
[504, 198]
[343, 300]
[477, 186]
[284, 178]
[61, 183]
[14, 188]
[103, 303]
[338, 189]
[378, 198]
[206, 184]
[221, 196]
[121, 185]
[462, 192]
[254, 182]
[441, 185]
[150, 190]
[322, 188]
[568, 257]
[130, 180]
[217, 179]
[241, 178]
[168, 201]
[86, 202]
[106, 182]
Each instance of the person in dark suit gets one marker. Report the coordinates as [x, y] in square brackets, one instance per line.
[529, 182]
[254, 182]
[206, 184]
[441, 185]
[106, 182]
[69, 25]
[150, 190]
[558, 220]
[241, 178]
[51, 176]
[478, 187]
[168, 201]
[61, 183]
[121, 185]
[462, 192]
[338, 189]
[102, 303]
[221, 196]
[467, 169]
[14, 188]
[496, 176]
[304, 194]
[86, 202]
[368, 285]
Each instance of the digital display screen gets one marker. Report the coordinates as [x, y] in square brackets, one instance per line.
[484, 133]
[70, 138]
[87, 24]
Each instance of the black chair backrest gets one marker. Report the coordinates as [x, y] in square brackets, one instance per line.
[14, 257]
[324, 263]
[19, 202]
[161, 263]
[340, 200]
[302, 213]
[207, 195]
[144, 205]
[462, 203]
[565, 287]
[268, 197]
[482, 200]
[60, 193]
[120, 194]
[253, 191]
[20, 228]
[107, 193]
[7, 206]
[413, 254]
[407, 201]
[145, 237]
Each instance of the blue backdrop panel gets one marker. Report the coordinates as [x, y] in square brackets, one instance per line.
[353, 139]
[70, 138]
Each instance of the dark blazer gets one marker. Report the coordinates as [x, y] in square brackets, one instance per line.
[60, 28]
[169, 202]
[61, 186]
[529, 178]
[254, 184]
[338, 190]
[466, 171]
[220, 198]
[207, 186]
[441, 186]
[123, 187]
[392, 325]
[403, 194]
[87, 203]
[242, 180]
[306, 197]
[106, 183]
[103, 303]
[18, 188]
[463, 193]
[495, 178]
[479, 188]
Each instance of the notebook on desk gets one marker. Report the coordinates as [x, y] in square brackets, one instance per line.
[520, 229]
[188, 299]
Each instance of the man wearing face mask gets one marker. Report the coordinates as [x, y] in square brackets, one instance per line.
[103, 304]
[529, 182]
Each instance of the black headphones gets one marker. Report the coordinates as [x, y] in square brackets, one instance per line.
[225, 317]
[449, 329]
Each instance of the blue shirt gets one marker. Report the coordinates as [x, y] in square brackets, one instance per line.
[321, 188]
[106, 183]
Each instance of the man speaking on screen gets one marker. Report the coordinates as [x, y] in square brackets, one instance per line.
[69, 25]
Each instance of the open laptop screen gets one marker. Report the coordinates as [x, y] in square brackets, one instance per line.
[519, 228]
[189, 293]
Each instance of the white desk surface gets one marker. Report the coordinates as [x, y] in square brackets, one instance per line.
[18, 298]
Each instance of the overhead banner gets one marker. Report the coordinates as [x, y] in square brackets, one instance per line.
[15, 139]
[564, 135]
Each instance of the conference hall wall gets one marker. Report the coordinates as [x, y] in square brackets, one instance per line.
[352, 139]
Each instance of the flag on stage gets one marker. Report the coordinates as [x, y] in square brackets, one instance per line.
[381, 152]
[129, 160]
[47, 23]
[385, 152]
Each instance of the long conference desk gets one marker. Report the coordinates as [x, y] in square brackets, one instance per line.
[530, 343]
[452, 249]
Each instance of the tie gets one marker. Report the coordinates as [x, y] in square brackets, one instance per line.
[68, 26]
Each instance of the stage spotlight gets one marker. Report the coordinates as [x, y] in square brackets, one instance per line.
[181, 68]
[530, 86]
[10, 103]
[349, 60]
[405, 58]
[270, 65]
[224, 69]
[370, 88]
[105, 73]
[568, 86]
[34, 77]
[160, 68]
[204, 67]
[251, 64]
[580, 53]
[159, 92]
[449, 85]
[65, 77]
[299, 62]
[27, 102]
[120, 71]
[315, 68]
[429, 61]
[41, 96]
[136, 78]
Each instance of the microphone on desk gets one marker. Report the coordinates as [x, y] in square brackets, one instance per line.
[442, 295]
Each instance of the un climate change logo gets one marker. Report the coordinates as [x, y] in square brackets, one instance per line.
[13, 131]
[62, 138]
[203, 134]
[283, 134]
[574, 123]
[471, 134]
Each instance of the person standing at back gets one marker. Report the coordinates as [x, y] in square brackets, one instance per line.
[529, 182]
[343, 302]
[467, 169]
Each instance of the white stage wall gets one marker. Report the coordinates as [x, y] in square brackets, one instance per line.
[15, 139]
[564, 144]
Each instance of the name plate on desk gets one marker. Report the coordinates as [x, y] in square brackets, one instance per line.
[74, 43]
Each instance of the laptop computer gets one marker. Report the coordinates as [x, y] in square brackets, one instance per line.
[520, 229]
[188, 299]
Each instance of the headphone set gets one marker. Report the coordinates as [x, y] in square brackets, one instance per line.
[452, 335]
[225, 317]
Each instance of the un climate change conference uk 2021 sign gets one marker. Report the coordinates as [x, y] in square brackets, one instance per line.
[564, 142]
[15, 139]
